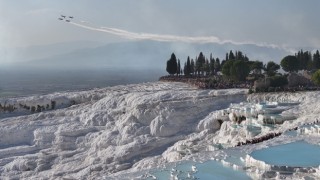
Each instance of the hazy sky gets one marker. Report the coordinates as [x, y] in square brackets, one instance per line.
[282, 23]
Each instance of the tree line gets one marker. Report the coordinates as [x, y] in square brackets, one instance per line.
[236, 66]
[303, 60]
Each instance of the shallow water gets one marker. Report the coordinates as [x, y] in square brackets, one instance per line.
[296, 154]
[215, 170]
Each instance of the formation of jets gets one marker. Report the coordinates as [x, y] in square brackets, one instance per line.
[66, 18]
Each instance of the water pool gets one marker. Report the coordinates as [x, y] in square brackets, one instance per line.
[296, 154]
[215, 170]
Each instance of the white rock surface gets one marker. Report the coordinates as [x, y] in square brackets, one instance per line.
[107, 130]
[129, 128]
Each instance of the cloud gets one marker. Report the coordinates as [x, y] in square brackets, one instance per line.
[173, 38]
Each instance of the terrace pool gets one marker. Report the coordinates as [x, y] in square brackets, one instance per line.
[296, 154]
[215, 170]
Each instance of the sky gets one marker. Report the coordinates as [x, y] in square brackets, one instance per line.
[272, 23]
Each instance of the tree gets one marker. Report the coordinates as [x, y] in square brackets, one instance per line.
[231, 56]
[206, 67]
[197, 66]
[271, 68]
[290, 63]
[226, 68]
[300, 57]
[316, 60]
[239, 55]
[309, 63]
[256, 66]
[217, 65]
[200, 63]
[239, 70]
[188, 67]
[222, 63]
[178, 67]
[316, 77]
[185, 71]
[172, 65]
[212, 62]
[192, 67]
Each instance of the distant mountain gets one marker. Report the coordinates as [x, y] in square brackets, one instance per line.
[22, 54]
[144, 54]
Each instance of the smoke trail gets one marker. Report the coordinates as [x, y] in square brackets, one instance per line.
[173, 38]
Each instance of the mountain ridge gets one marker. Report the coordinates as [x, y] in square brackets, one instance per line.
[150, 54]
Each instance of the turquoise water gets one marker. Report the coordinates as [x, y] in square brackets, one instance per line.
[215, 170]
[296, 154]
[212, 170]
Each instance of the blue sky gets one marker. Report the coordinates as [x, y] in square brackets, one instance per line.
[284, 23]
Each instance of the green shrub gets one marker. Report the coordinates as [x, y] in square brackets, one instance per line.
[316, 77]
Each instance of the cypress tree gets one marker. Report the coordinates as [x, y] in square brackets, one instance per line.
[192, 67]
[310, 64]
[172, 65]
[300, 58]
[197, 66]
[240, 56]
[316, 60]
[200, 63]
[178, 67]
[217, 65]
[185, 71]
[188, 66]
[306, 60]
[207, 67]
[212, 62]
[231, 55]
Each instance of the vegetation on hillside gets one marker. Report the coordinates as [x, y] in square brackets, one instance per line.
[237, 68]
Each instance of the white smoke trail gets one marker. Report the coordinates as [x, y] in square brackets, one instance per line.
[173, 38]
[145, 36]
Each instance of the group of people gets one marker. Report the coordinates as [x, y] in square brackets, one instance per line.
[7, 108]
[260, 139]
[213, 82]
[271, 135]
